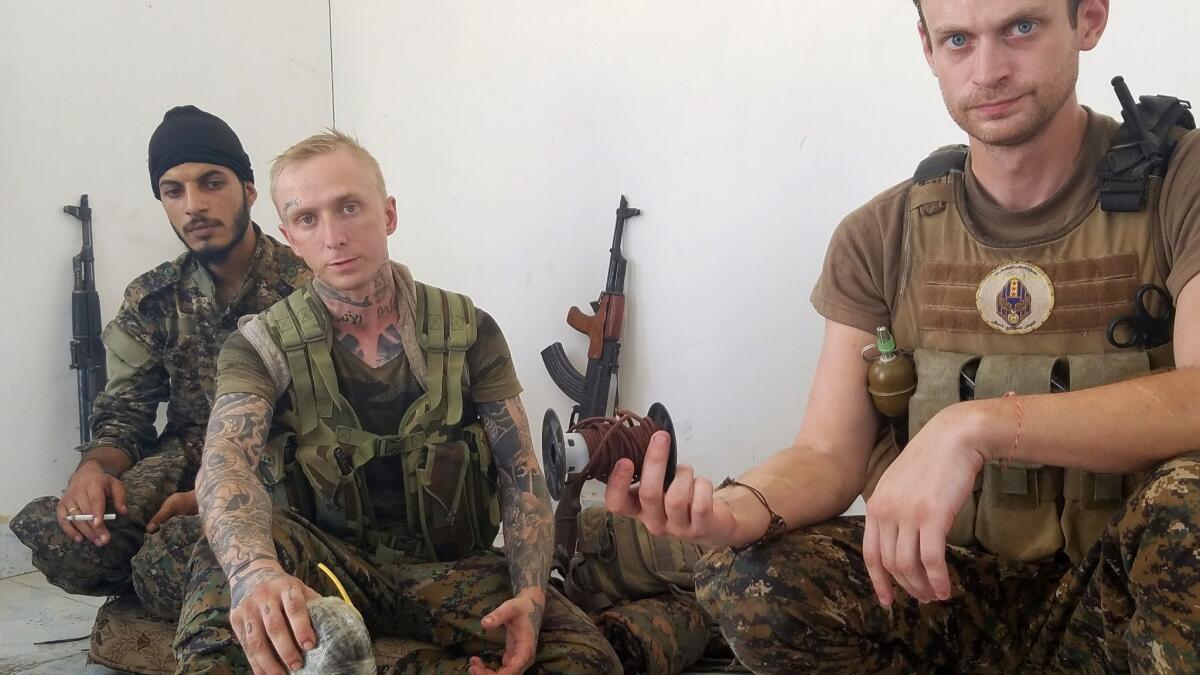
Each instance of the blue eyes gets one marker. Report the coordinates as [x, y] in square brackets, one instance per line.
[1021, 28]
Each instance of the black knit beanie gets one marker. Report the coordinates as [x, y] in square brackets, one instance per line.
[188, 134]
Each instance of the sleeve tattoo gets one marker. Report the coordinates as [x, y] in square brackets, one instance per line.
[524, 498]
[234, 506]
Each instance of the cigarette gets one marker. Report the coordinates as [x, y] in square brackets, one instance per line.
[81, 517]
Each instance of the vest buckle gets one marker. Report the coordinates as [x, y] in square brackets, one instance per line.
[343, 461]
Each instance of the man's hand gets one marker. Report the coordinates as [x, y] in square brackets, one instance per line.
[687, 510]
[522, 618]
[88, 491]
[270, 618]
[178, 504]
[914, 506]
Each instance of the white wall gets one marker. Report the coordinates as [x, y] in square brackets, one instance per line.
[745, 129]
[84, 85]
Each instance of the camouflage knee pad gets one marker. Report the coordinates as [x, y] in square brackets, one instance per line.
[160, 567]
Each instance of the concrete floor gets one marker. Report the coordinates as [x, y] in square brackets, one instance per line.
[32, 610]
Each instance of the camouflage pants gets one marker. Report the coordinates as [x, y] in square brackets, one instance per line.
[155, 566]
[805, 603]
[440, 603]
[662, 635]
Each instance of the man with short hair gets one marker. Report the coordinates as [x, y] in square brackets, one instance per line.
[1008, 528]
[372, 424]
[162, 346]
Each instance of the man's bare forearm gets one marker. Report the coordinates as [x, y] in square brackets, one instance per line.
[234, 506]
[524, 499]
[1127, 426]
[802, 484]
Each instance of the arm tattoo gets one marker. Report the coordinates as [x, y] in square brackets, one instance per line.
[234, 507]
[524, 499]
[248, 581]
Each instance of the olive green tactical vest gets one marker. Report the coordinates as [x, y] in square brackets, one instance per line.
[315, 460]
[942, 314]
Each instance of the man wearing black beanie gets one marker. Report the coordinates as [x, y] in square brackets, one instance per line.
[162, 346]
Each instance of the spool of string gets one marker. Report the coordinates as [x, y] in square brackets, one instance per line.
[610, 439]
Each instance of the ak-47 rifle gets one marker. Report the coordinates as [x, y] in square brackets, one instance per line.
[590, 391]
[565, 455]
[87, 351]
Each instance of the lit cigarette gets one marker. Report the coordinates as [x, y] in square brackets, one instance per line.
[81, 517]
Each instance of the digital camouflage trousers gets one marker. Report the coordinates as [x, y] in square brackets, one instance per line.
[155, 565]
[804, 603]
[439, 603]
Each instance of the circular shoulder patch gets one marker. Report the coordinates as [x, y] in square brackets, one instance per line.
[1015, 298]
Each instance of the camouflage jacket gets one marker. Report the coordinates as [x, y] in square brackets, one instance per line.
[163, 346]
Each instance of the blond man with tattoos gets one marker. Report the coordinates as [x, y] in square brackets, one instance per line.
[374, 424]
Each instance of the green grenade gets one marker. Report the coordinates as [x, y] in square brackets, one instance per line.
[891, 380]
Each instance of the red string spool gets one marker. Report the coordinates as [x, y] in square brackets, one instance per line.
[605, 441]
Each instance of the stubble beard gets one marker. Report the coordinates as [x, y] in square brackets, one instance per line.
[216, 255]
[1047, 100]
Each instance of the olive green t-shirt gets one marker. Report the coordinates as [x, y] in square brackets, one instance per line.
[379, 396]
[861, 274]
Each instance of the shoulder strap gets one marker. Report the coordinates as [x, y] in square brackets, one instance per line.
[448, 330]
[302, 338]
[941, 162]
[1132, 159]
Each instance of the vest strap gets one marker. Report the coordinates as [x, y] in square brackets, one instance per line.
[293, 346]
[312, 331]
[941, 162]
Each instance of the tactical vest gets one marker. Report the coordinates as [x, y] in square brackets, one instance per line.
[1025, 512]
[314, 464]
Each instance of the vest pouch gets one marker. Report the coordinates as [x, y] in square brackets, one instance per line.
[590, 581]
[1091, 501]
[272, 469]
[438, 484]
[1018, 515]
[620, 559]
[283, 479]
[331, 475]
[667, 561]
[482, 488]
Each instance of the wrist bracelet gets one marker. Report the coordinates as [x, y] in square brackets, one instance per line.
[776, 528]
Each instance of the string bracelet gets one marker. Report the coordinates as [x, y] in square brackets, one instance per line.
[775, 529]
[1016, 437]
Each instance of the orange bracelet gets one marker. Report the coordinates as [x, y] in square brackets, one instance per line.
[1017, 437]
